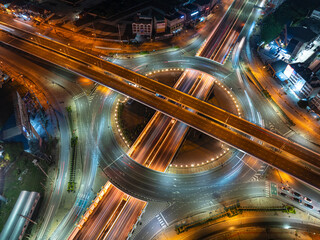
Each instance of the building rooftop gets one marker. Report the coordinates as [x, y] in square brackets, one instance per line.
[304, 72]
[143, 20]
[278, 66]
[291, 46]
[173, 16]
[301, 34]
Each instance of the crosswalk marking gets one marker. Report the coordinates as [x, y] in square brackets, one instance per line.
[267, 188]
[90, 97]
[162, 220]
[79, 96]
[258, 173]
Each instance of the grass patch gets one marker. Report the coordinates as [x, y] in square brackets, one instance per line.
[22, 175]
[133, 118]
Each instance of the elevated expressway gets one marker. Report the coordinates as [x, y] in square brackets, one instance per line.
[196, 121]
[227, 116]
[155, 148]
[144, 82]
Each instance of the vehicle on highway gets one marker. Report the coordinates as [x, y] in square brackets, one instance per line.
[160, 96]
[283, 194]
[296, 194]
[307, 199]
[308, 205]
[285, 189]
[297, 200]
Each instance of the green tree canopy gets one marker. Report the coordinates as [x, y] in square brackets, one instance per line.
[287, 13]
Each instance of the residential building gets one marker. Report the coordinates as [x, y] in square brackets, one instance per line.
[191, 11]
[299, 39]
[303, 82]
[142, 26]
[175, 22]
[159, 23]
[205, 6]
[315, 103]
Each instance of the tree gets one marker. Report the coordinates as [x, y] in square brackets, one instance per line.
[287, 13]
[270, 29]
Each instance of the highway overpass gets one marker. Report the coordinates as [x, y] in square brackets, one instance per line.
[203, 124]
[144, 82]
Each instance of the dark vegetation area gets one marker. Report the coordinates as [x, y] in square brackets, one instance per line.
[288, 13]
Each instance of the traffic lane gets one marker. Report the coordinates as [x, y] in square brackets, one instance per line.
[223, 196]
[123, 226]
[149, 230]
[214, 40]
[102, 213]
[225, 36]
[178, 187]
[177, 211]
[244, 222]
[147, 140]
[174, 138]
[168, 148]
[189, 180]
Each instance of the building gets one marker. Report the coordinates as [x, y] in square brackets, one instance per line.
[142, 26]
[191, 11]
[175, 22]
[315, 14]
[205, 6]
[299, 39]
[159, 23]
[302, 81]
[18, 127]
[277, 69]
[315, 103]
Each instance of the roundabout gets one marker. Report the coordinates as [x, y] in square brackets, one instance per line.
[147, 184]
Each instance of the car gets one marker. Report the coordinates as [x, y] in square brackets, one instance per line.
[284, 189]
[308, 205]
[297, 200]
[283, 194]
[296, 194]
[307, 199]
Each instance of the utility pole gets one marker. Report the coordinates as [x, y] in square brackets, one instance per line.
[35, 162]
[119, 32]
